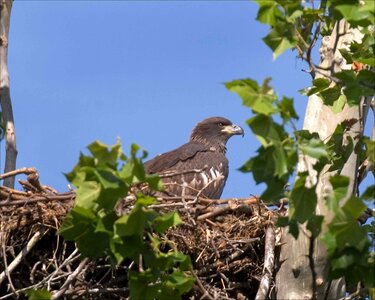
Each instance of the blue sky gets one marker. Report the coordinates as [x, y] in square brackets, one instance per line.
[145, 71]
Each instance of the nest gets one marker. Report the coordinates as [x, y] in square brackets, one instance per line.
[226, 240]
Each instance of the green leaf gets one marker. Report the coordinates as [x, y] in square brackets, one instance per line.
[321, 83]
[282, 221]
[367, 61]
[133, 223]
[281, 163]
[178, 280]
[340, 185]
[40, 294]
[330, 241]
[357, 14]
[268, 12]
[100, 241]
[78, 175]
[87, 194]
[79, 226]
[302, 200]
[293, 228]
[370, 150]
[330, 95]
[166, 221]
[112, 186]
[76, 223]
[259, 98]
[287, 110]
[266, 130]
[145, 200]
[275, 191]
[154, 182]
[294, 16]
[314, 148]
[348, 232]
[338, 105]
[282, 37]
[369, 193]
[130, 247]
[106, 222]
[354, 207]
[314, 224]
[105, 154]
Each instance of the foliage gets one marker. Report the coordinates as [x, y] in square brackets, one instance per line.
[102, 178]
[41, 294]
[294, 25]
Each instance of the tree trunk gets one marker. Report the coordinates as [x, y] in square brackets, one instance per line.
[5, 101]
[304, 265]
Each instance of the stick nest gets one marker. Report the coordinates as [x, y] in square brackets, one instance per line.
[224, 238]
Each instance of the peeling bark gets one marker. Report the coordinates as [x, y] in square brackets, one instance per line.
[295, 276]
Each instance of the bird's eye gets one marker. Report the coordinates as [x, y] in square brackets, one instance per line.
[221, 124]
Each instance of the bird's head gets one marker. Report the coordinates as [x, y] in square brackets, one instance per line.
[215, 131]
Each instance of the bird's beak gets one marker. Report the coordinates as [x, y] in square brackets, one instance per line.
[233, 130]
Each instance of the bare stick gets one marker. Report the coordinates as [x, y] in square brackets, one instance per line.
[5, 101]
[203, 290]
[228, 207]
[12, 173]
[70, 279]
[36, 237]
[217, 211]
[269, 259]
[37, 199]
[6, 270]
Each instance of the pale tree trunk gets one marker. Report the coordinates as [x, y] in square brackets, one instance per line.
[304, 265]
[5, 101]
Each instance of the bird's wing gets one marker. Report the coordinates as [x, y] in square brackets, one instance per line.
[169, 159]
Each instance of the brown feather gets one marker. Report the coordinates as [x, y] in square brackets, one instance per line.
[198, 164]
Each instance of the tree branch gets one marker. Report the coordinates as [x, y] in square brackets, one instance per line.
[5, 101]
[269, 259]
[36, 237]
[70, 279]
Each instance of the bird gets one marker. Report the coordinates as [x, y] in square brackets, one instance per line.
[199, 167]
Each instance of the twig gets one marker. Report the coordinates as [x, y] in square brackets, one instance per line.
[71, 258]
[100, 291]
[269, 259]
[234, 256]
[217, 211]
[205, 294]
[70, 279]
[6, 270]
[225, 208]
[354, 295]
[39, 198]
[26, 171]
[36, 237]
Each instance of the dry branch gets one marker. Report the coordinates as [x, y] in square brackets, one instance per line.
[268, 268]
[5, 100]
[31, 243]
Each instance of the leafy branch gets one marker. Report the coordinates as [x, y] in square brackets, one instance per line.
[102, 179]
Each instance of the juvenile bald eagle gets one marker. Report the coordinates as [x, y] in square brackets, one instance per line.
[200, 164]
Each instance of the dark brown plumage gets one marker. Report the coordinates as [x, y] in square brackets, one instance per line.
[200, 164]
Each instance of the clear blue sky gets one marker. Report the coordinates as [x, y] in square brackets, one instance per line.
[144, 71]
